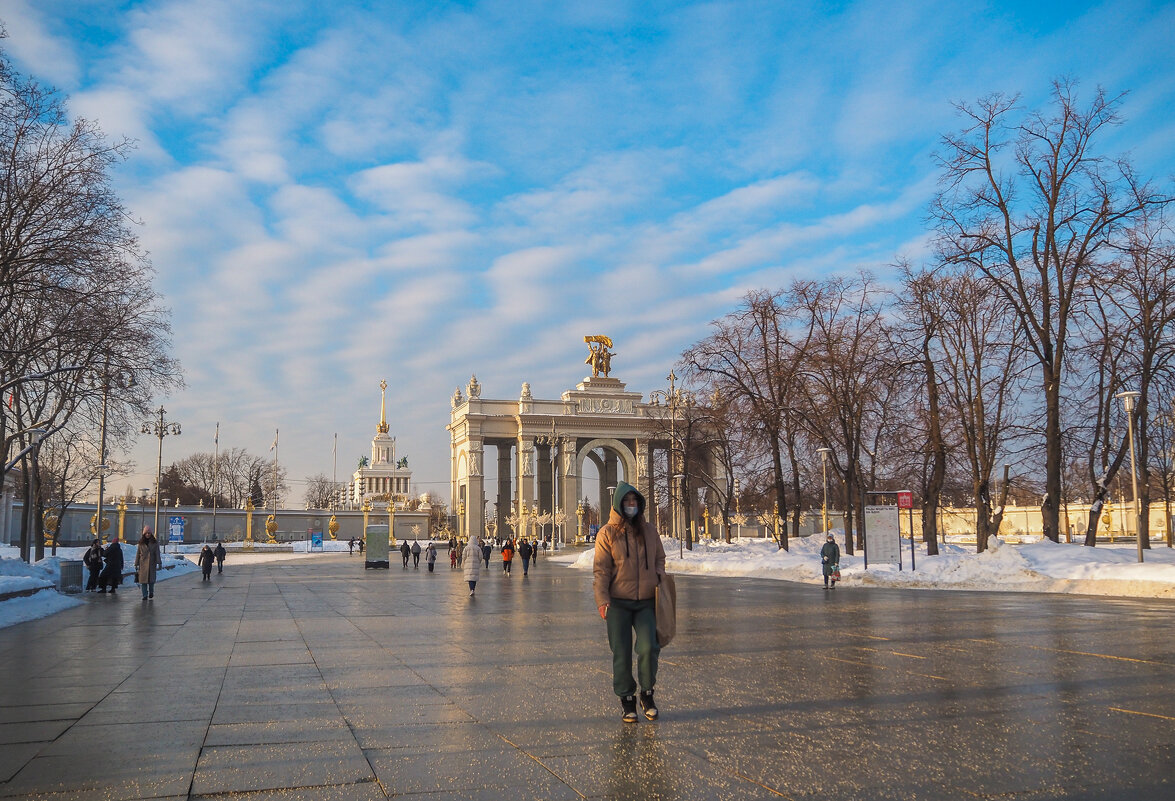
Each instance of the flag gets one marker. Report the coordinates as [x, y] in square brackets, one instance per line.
[216, 436]
[274, 445]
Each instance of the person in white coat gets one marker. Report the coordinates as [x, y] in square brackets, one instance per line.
[472, 559]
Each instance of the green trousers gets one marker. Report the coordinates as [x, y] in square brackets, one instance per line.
[623, 618]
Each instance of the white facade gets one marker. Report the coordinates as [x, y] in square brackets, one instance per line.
[384, 477]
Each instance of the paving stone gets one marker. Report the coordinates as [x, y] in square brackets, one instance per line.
[509, 696]
[287, 765]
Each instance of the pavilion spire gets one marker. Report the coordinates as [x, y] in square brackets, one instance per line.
[383, 418]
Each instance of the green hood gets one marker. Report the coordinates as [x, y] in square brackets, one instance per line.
[618, 494]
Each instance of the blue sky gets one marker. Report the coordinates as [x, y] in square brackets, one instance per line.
[335, 193]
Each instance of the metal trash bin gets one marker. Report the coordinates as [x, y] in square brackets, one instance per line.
[71, 576]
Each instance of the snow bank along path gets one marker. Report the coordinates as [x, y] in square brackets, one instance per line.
[29, 591]
[1041, 566]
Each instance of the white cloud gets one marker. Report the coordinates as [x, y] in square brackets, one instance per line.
[413, 192]
[44, 55]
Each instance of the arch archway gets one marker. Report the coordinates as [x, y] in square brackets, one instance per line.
[625, 459]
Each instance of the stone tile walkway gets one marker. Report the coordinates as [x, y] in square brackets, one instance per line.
[315, 679]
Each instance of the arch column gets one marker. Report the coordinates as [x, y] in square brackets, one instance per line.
[569, 487]
[475, 490]
[505, 484]
[525, 473]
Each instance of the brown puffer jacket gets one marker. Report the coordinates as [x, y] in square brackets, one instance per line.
[630, 559]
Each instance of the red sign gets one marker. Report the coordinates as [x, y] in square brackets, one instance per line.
[906, 500]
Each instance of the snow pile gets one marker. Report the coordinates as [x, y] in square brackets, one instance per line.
[1041, 566]
[16, 575]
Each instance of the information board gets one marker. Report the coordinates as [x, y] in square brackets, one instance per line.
[175, 529]
[883, 542]
[316, 540]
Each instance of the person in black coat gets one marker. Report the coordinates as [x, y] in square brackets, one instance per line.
[219, 552]
[830, 561]
[112, 573]
[405, 551]
[486, 552]
[205, 560]
[93, 561]
[525, 549]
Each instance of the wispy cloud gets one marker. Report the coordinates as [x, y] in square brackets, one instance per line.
[334, 194]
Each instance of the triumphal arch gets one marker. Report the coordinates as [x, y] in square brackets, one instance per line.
[542, 445]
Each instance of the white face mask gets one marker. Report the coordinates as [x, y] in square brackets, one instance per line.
[630, 511]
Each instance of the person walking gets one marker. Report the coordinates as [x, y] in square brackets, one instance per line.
[830, 561]
[205, 560]
[453, 551]
[147, 561]
[472, 563]
[351, 547]
[405, 551]
[112, 570]
[430, 555]
[534, 557]
[507, 556]
[486, 552]
[629, 564]
[93, 561]
[415, 555]
[219, 552]
[525, 550]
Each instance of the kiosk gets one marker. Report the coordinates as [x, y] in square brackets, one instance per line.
[376, 548]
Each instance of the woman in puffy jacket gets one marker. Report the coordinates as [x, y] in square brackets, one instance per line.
[472, 559]
[629, 564]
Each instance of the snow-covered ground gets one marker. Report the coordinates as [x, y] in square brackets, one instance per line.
[1041, 566]
[42, 577]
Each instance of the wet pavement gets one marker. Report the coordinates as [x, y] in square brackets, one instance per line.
[316, 679]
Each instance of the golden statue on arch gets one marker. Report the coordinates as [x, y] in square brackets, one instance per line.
[600, 357]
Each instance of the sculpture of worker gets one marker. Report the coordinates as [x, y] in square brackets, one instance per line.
[600, 357]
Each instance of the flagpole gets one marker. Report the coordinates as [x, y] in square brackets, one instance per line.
[334, 485]
[215, 475]
[275, 435]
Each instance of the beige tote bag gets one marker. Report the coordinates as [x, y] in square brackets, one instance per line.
[666, 610]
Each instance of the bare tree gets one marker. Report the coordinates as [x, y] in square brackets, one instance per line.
[1029, 202]
[76, 300]
[1144, 296]
[754, 356]
[320, 491]
[844, 368]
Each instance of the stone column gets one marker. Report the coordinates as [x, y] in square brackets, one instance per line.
[568, 487]
[475, 491]
[611, 477]
[505, 483]
[643, 483]
[602, 500]
[542, 466]
[526, 467]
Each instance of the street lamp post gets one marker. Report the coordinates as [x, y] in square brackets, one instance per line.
[1128, 402]
[824, 468]
[672, 397]
[552, 441]
[124, 380]
[738, 514]
[159, 428]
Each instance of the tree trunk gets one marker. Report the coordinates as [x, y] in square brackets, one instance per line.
[1050, 510]
[849, 503]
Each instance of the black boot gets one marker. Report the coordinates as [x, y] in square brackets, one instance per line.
[648, 705]
[628, 704]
